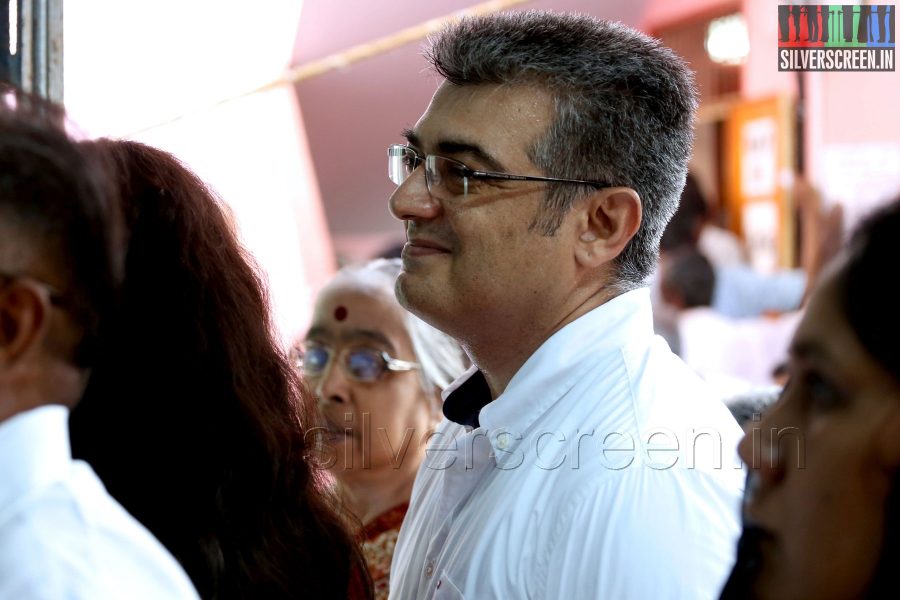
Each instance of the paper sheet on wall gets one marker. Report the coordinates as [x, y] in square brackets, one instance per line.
[760, 219]
[758, 158]
[860, 177]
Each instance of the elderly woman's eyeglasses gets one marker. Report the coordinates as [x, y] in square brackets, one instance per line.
[447, 177]
[360, 364]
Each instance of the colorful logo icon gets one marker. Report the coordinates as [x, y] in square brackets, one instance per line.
[836, 37]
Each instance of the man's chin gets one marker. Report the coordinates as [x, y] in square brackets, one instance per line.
[411, 290]
[417, 292]
[402, 287]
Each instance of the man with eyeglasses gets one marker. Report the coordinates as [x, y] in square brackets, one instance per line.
[579, 458]
[61, 534]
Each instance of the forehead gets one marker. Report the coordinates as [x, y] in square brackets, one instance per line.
[825, 336]
[823, 324]
[823, 317]
[500, 119]
[352, 304]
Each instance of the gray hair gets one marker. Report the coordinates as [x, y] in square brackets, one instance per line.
[440, 357]
[624, 106]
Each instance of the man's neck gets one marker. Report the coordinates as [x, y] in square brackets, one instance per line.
[39, 379]
[500, 356]
[13, 403]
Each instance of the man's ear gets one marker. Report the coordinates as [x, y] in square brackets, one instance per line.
[24, 318]
[608, 220]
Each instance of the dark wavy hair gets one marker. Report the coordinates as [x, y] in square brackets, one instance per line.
[56, 200]
[194, 418]
[872, 313]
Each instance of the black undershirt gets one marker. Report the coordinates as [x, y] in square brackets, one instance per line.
[465, 402]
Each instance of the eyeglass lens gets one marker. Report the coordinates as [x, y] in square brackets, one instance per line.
[443, 176]
[402, 161]
[362, 364]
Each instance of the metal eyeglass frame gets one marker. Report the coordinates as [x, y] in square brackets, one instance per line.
[390, 363]
[400, 150]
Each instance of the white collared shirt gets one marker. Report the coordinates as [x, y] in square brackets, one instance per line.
[606, 469]
[62, 536]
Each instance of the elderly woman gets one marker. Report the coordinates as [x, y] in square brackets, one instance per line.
[822, 508]
[377, 372]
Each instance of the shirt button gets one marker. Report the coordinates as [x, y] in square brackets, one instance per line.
[429, 569]
[503, 441]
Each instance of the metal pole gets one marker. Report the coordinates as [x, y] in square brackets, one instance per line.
[36, 65]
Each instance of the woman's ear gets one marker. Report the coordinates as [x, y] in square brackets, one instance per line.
[23, 319]
[609, 220]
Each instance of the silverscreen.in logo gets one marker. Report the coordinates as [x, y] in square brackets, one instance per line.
[835, 37]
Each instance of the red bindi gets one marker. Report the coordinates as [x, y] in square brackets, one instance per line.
[340, 313]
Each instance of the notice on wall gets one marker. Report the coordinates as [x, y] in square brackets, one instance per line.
[860, 177]
[759, 158]
[760, 219]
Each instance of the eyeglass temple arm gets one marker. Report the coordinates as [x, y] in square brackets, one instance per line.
[395, 364]
[508, 176]
[399, 149]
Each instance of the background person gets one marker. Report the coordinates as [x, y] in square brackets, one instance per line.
[822, 513]
[195, 418]
[733, 355]
[378, 372]
[61, 534]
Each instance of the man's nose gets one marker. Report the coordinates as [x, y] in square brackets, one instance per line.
[412, 201]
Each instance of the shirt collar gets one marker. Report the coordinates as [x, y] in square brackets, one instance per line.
[553, 369]
[34, 452]
[465, 398]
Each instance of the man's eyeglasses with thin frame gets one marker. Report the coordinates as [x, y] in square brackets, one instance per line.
[444, 174]
[360, 364]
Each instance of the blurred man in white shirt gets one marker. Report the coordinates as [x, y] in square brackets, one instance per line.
[61, 534]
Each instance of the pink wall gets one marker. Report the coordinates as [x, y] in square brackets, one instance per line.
[659, 13]
[861, 107]
[760, 77]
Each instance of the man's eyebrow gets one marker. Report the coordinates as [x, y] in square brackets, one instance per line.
[458, 147]
[411, 138]
[472, 149]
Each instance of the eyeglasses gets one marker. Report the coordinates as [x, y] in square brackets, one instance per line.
[445, 176]
[360, 364]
